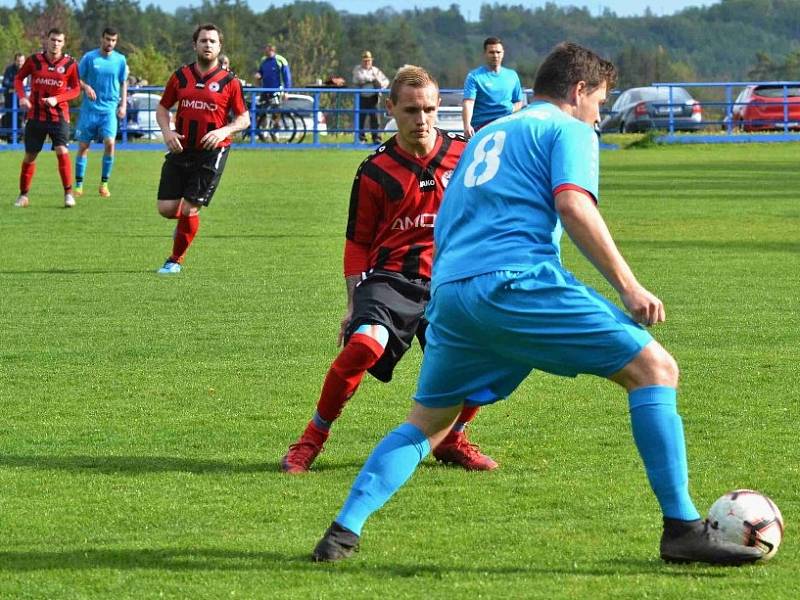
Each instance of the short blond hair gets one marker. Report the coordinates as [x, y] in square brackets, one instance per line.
[412, 76]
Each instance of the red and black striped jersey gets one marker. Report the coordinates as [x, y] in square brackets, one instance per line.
[394, 202]
[57, 79]
[204, 102]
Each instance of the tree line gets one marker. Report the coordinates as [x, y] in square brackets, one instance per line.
[731, 40]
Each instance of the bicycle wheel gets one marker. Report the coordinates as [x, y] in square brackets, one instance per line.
[282, 128]
[300, 128]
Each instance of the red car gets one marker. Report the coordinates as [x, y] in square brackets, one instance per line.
[761, 107]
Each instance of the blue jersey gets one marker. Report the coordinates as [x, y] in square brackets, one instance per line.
[494, 93]
[275, 72]
[105, 74]
[498, 212]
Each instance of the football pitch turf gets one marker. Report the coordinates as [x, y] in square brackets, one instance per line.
[143, 417]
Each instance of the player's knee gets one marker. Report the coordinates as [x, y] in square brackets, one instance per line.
[359, 354]
[660, 367]
[376, 331]
[652, 366]
[168, 209]
[189, 209]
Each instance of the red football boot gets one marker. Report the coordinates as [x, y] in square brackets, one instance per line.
[457, 450]
[302, 453]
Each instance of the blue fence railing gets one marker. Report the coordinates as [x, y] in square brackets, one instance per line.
[316, 116]
[340, 117]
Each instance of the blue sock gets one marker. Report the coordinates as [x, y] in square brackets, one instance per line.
[108, 163]
[80, 168]
[389, 466]
[658, 433]
[320, 422]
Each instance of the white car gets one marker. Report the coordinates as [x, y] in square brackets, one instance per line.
[141, 115]
[303, 105]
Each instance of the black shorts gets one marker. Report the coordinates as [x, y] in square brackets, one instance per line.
[37, 131]
[396, 302]
[192, 175]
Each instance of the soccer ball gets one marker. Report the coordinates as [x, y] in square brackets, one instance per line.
[748, 518]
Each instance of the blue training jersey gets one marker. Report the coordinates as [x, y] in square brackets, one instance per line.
[105, 74]
[498, 212]
[494, 93]
[275, 72]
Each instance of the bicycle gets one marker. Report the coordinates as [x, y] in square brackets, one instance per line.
[276, 124]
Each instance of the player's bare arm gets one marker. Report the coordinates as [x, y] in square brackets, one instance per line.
[90, 93]
[172, 139]
[214, 138]
[466, 116]
[122, 110]
[350, 284]
[586, 227]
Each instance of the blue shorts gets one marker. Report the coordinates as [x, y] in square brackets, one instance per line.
[488, 332]
[96, 126]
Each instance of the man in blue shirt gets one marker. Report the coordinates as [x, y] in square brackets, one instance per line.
[491, 91]
[104, 79]
[274, 72]
[503, 305]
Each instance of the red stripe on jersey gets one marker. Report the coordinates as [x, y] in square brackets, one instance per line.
[394, 203]
[575, 188]
[204, 101]
[58, 79]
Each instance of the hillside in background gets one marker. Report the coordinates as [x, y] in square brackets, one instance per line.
[732, 40]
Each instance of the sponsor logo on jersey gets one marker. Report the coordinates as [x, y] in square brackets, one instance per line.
[48, 81]
[446, 177]
[198, 104]
[427, 183]
[421, 220]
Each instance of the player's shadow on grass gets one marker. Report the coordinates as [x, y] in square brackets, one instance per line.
[134, 465]
[72, 272]
[221, 559]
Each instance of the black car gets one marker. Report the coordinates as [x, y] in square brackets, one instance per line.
[644, 108]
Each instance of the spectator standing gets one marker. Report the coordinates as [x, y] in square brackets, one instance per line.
[274, 72]
[491, 91]
[8, 96]
[368, 76]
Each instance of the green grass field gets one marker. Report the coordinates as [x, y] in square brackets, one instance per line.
[143, 417]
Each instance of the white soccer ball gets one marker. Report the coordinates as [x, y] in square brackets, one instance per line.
[748, 518]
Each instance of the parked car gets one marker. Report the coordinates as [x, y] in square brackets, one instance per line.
[761, 107]
[141, 115]
[303, 105]
[644, 108]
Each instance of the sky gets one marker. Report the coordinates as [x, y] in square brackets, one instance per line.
[469, 8]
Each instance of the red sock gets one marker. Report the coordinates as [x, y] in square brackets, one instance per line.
[65, 170]
[346, 372]
[26, 176]
[465, 416]
[184, 234]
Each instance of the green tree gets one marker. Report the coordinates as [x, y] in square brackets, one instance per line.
[150, 64]
[13, 39]
[310, 46]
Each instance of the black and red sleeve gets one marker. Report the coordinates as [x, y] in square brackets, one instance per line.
[170, 96]
[364, 214]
